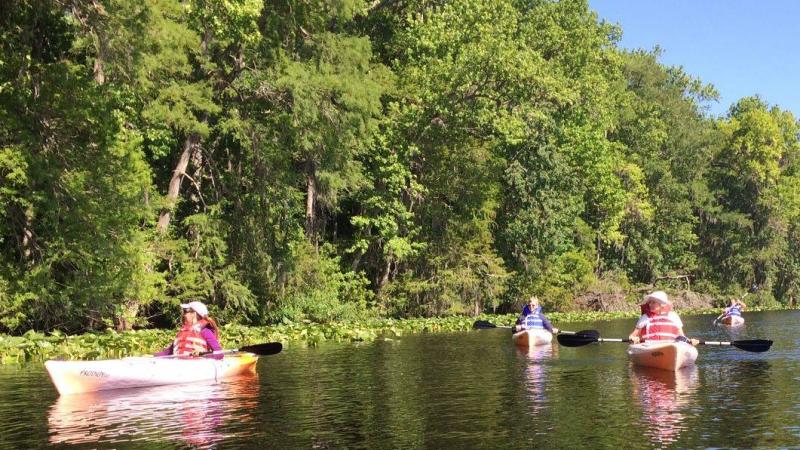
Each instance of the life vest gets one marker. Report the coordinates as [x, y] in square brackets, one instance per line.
[733, 311]
[189, 340]
[532, 319]
[660, 327]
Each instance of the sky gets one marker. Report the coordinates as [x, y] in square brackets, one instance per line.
[742, 47]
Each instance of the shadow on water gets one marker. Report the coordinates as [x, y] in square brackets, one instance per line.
[196, 414]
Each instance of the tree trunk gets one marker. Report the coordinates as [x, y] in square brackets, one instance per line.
[311, 195]
[99, 72]
[189, 146]
[27, 242]
[387, 271]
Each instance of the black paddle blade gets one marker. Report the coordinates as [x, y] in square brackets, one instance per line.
[593, 334]
[483, 324]
[753, 345]
[269, 348]
[578, 339]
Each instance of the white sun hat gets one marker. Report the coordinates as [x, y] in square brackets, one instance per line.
[659, 296]
[198, 307]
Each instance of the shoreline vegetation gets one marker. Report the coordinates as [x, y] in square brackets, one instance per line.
[33, 347]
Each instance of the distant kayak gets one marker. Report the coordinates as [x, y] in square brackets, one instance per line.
[530, 338]
[732, 320]
[662, 355]
[73, 377]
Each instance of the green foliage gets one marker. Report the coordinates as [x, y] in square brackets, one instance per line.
[199, 268]
[318, 290]
[324, 161]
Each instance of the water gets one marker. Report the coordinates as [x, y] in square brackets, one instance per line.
[459, 390]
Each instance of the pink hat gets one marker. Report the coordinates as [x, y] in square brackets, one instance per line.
[659, 296]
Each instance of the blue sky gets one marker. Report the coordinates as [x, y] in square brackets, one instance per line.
[742, 47]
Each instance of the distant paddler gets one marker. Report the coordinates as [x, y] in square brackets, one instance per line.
[732, 315]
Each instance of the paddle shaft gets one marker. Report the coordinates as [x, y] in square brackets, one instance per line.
[267, 348]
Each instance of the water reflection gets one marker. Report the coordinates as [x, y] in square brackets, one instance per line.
[664, 395]
[536, 360]
[194, 413]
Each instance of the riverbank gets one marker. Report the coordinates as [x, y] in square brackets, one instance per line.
[38, 347]
[622, 301]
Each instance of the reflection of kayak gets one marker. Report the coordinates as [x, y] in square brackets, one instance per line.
[529, 338]
[71, 377]
[196, 413]
[662, 355]
[664, 397]
[732, 320]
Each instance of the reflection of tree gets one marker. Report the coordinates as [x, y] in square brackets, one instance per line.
[195, 413]
[664, 395]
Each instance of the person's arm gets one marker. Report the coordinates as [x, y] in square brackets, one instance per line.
[213, 343]
[681, 334]
[636, 335]
[547, 325]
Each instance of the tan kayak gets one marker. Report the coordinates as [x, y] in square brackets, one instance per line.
[662, 355]
[732, 320]
[530, 338]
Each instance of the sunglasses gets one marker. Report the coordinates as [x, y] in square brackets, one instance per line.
[188, 310]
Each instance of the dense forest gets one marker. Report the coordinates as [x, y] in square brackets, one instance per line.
[331, 160]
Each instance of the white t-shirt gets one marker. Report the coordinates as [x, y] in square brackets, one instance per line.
[672, 315]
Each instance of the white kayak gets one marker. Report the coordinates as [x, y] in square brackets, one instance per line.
[532, 337]
[662, 355]
[732, 320]
[73, 377]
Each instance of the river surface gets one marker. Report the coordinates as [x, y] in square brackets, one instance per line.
[457, 390]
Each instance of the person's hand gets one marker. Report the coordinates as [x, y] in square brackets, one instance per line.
[634, 339]
[694, 342]
[555, 331]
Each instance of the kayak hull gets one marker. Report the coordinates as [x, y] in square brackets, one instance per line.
[74, 377]
[531, 338]
[732, 320]
[662, 355]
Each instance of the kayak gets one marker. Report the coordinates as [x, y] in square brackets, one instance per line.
[732, 320]
[73, 377]
[662, 355]
[529, 338]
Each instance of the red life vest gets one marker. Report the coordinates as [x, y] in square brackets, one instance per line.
[660, 327]
[189, 340]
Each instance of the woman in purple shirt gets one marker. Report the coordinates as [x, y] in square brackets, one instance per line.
[199, 334]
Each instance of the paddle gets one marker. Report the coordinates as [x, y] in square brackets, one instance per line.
[485, 324]
[579, 339]
[751, 345]
[265, 349]
[584, 337]
[752, 289]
